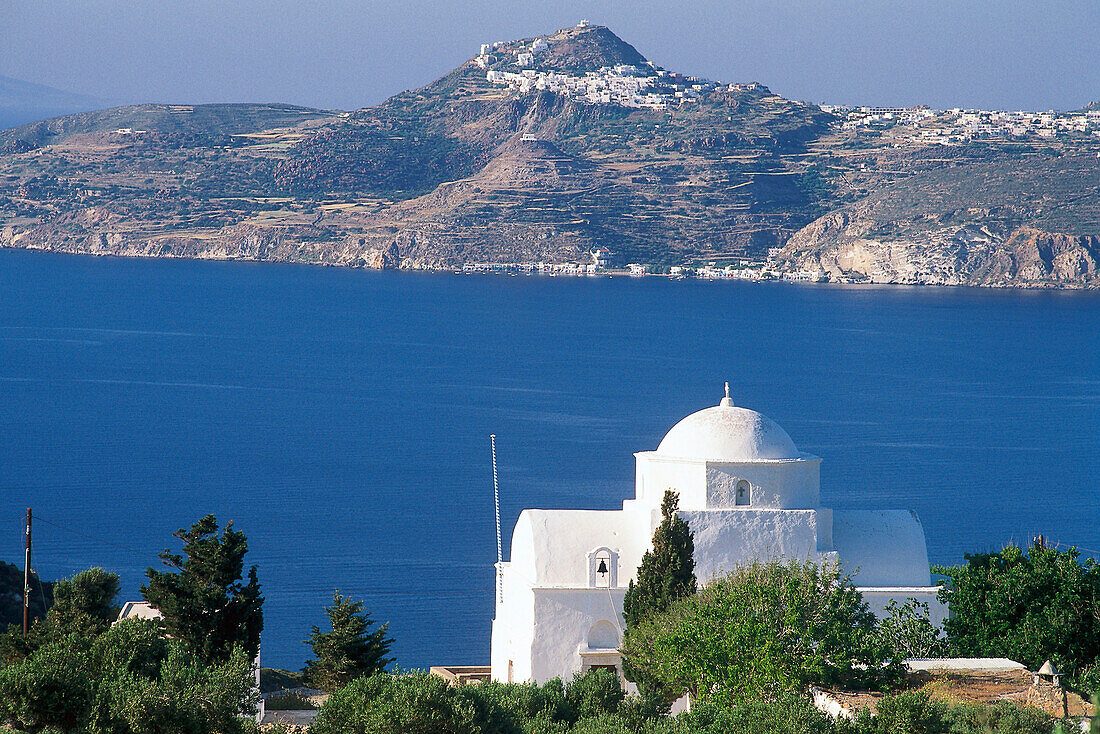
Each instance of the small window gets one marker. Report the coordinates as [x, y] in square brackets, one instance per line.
[743, 493]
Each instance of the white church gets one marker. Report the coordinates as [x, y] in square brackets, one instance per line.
[747, 493]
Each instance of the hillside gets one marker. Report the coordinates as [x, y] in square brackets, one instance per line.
[997, 222]
[535, 150]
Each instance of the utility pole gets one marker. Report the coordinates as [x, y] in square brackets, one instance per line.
[27, 579]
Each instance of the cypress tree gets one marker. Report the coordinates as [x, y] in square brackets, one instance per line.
[667, 572]
[350, 650]
[203, 600]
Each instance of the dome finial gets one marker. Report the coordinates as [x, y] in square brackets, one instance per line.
[726, 402]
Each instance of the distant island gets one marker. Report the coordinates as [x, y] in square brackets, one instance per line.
[572, 153]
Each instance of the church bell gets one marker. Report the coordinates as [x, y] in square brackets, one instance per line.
[602, 568]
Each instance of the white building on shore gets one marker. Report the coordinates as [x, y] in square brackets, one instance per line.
[747, 493]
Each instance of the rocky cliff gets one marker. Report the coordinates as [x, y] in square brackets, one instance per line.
[999, 222]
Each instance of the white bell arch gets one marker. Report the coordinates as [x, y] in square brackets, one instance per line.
[603, 568]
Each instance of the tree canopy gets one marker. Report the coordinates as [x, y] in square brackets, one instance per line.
[350, 650]
[129, 679]
[203, 600]
[765, 629]
[1025, 606]
[84, 603]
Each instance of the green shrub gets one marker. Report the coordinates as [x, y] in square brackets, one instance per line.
[593, 694]
[1025, 606]
[909, 633]
[786, 714]
[51, 688]
[419, 702]
[416, 703]
[1001, 717]
[128, 680]
[289, 701]
[912, 712]
[764, 629]
[915, 712]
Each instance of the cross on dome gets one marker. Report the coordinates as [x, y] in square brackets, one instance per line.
[726, 402]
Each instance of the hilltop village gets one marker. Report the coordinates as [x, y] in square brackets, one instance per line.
[528, 68]
[626, 85]
[651, 87]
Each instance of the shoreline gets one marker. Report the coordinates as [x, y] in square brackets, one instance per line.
[514, 270]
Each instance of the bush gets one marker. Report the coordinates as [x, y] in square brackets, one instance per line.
[765, 629]
[84, 604]
[595, 693]
[289, 701]
[786, 714]
[909, 633]
[915, 712]
[417, 703]
[1001, 717]
[128, 680]
[1027, 607]
[51, 688]
[1088, 682]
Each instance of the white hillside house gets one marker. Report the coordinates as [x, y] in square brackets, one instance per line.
[747, 493]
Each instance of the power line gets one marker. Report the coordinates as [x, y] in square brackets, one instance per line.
[39, 518]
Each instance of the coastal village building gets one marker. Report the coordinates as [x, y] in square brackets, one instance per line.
[747, 493]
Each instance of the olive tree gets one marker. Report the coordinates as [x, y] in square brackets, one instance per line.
[765, 629]
[1025, 606]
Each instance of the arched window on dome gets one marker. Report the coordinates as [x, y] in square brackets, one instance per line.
[743, 492]
[603, 568]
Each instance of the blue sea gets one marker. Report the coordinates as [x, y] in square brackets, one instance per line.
[341, 418]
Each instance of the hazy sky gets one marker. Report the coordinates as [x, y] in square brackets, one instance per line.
[1015, 54]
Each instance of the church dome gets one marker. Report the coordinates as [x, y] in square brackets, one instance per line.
[728, 433]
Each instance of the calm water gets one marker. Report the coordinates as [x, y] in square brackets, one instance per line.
[341, 418]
